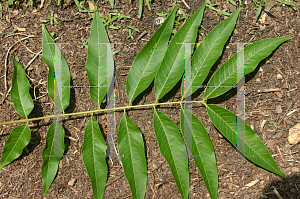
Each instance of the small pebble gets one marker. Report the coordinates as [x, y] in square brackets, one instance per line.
[278, 109]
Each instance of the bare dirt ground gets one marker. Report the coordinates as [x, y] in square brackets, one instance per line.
[22, 178]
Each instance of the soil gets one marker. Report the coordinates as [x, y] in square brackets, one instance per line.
[22, 178]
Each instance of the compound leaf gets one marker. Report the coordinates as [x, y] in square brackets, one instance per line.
[20, 91]
[172, 148]
[19, 138]
[210, 49]
[132, 152]
[255, 150]
[202, 150]
[96, 62]
[226, 75]
[94, 157]
[146, 63]
[52, 153]
[49, 48]
[172, 66]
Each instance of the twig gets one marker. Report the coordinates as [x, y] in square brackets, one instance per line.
[280, 153]
[141, 35]
[186, 4]
[37, 54]
[276, 193]
[114, 180]
[269, 90]
[5, 66]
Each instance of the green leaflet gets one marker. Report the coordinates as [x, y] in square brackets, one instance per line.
[54, 147]
[132, 152]
[201, 146]
[20, 91]
[48, 57]
[209, 50]
[172, 148]
[172, 66]
[19, 138]
[112, 3]
[226, 121]
[146, 63]
[226, 75]
[96, 62]
[94, 157]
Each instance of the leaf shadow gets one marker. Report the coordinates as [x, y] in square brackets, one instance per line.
[72, 104]
[287, 187]
[172, 93]
[146, 92]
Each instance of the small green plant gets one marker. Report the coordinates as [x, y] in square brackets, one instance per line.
[52, 34]
[288, 3]
[212, 6]
[130, 34]
[163, 63]
[84, 43]
[258, 7]
[116, 16]
[53, 21]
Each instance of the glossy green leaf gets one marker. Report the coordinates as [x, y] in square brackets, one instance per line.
[96, 62]
[210, 49]
[52, 153]
[132, 153]
[20, 91]
[19, 138]
[202, 150]
[172, 66]
[48, 49]
[112, 3]
[172, 147]
[226, 75]
[146, 63]
[225, 121]
[94, 157]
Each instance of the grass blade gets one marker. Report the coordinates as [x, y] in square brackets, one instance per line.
[132, 152]
[19, 138]
[141, 2]
[20, 91]
[93, 155]
[172, 66]
[96, 62]
[227, 74]
[50, 158]
[210, 49]
[146, 63]
[201, 146]
[172, 148]
[225, 121]
[112, 3]
[48, 57]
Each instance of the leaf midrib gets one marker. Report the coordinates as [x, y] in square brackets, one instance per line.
[173, 160]
[149, 60]
[210, 187]
[238, 67]
[129, 146]
[177, 54]
[15, 144]
[193, 78]
[240, 137]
